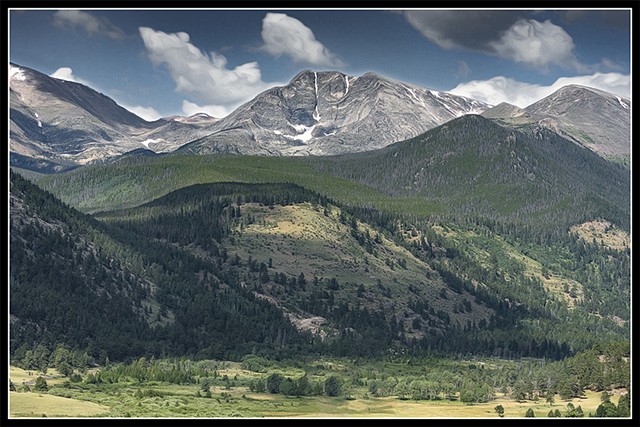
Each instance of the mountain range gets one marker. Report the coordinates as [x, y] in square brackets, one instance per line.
[57, 124]
[423, 227]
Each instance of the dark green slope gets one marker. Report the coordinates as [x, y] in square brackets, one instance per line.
[75, 281]
[63, 288]
[186, 291]
[325, 268]
[475, 167]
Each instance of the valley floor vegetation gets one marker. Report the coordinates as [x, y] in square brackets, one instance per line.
[594, 383]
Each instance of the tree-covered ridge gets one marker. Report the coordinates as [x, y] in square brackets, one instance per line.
[78, 282]
[525, 285]
[477, 168]
[312, 259]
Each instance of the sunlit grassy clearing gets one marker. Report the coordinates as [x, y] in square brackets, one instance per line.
[39, 404]
[604, 233]
[21, 376]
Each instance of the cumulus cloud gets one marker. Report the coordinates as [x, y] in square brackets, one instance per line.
[465, 29]
[66, 73]
[539, 44]
[499, 33]
[190, 108]
[201, 75]
[284, 35]
[72, 19]
[502, 89]
[147, 113]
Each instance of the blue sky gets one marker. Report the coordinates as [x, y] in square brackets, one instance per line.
[167, 62]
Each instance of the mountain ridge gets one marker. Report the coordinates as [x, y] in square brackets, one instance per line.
[57, 124]
[593, 118]
[329, 112]
[61, 125]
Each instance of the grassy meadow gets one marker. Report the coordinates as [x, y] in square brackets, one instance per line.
[131, 398]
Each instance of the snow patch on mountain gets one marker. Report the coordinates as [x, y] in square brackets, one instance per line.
[304, 133]
[625, 106]
[316, 115]
[16, 73]
[146, 142]
[413, 93]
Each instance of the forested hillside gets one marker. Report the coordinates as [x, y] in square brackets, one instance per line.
[225, 269]
[477, 169]
[96, 288]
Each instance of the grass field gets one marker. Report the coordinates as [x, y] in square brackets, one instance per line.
[20, 376]
[177, 401]
[42, 404]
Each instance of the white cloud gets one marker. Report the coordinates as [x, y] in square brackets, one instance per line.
[461, 29]
[201, 75]
[147, 113]
[284, 35]
[92, 25]
[500, 33]
[502, 89]
[189, 109]
[66, 73]
[463, 69]
[535, 43]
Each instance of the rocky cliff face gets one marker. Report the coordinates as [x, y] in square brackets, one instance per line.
[324, 113]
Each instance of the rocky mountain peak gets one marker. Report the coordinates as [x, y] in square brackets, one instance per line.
[329, 112]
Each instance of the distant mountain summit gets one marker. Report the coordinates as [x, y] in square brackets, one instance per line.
[56, 124]
[504, 110]
[195, 118]
[598, 120]
[325, 113]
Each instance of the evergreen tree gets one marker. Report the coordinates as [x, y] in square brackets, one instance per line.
[273, 383]
[624, 407]
[606, 409]
[287, 387]
[332, 386]
[41, 384]
[64, 368]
